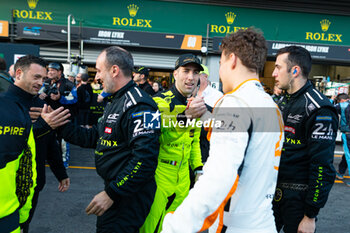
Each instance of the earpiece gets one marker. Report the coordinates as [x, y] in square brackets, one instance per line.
[294, 71]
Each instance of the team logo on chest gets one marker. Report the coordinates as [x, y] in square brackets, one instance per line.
[108, 130]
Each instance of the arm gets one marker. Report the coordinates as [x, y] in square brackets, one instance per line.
[321, 132]
[144, 156]
[54, 158]
[196, 156]
[215, 187]
[40, 128]
[80, 136]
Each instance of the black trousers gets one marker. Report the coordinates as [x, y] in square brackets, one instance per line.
[288, 209]
[343, 165]
[128, 214]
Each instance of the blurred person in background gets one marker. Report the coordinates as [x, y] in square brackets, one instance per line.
[277, 93]
[343, 109]
[71, 77]
[156, 87]
[140, 78]
[85, 95]
[59, 91]
[78, 79]
[210, 95]
[5, 78]
[12, 71]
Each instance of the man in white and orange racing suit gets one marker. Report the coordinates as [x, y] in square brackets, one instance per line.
[235, 192]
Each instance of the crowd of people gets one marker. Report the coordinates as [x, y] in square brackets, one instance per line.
[183, 159]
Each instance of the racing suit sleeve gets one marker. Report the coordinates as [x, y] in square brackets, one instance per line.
[54, 158]
[78, 135]
[144, 142]
[218, 183]
[321, 132]
[40, 128]
[196, 156]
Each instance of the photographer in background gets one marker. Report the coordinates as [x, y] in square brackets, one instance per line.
[58, 91]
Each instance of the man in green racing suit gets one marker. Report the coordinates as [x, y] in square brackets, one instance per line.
[179, 141]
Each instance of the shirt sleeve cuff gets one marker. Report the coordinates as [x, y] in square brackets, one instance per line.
[111, 193]
[311, 211]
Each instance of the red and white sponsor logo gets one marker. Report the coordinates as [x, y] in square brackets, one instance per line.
[289, 129]
[108, 130]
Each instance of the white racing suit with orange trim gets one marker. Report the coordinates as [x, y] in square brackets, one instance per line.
[237, 187]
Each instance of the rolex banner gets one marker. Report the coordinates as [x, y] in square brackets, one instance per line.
[173, 17]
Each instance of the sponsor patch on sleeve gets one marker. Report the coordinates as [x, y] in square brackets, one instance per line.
[323, 118]
[137, 114]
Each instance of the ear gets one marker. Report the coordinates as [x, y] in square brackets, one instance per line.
[233, 60]
[175, 74]
[115, 70]
[18, 73]
[295, 71]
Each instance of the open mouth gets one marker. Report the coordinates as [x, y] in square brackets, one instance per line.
[189, 85]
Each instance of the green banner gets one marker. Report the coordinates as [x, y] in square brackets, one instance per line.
[183, 18]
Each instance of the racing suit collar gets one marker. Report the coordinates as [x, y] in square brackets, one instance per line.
[300, 91]
[122, 90]
[25, 97]
[178, 95]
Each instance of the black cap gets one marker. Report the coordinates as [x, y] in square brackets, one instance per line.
[188, 58]
[55, 65]
[142, 70]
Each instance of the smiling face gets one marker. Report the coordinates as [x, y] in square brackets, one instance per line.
[54, 74]
[186, 79]
[30, 79]
[104, 74]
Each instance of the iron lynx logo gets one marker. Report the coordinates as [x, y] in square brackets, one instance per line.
[132, 22]
[32, 14]
[324, 36]
[226, 29]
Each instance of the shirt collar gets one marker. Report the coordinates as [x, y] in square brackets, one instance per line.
[124, 89]
[178, 95]
[19, 94]
[300, 91]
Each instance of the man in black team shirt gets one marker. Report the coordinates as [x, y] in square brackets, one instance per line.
[306, 173]
[126, 148]
[140, 78]
[29, 73]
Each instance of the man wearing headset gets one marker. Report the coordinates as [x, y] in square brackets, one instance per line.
[306, 172]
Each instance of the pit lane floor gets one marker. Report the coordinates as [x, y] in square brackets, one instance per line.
[65, 212]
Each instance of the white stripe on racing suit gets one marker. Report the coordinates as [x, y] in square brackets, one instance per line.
[236, 190]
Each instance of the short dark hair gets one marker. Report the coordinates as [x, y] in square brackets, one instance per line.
[342, 96]
[85, 77]
[26, 61]
[116, 55]
[2, 64]
[249, 46]
[297, 56]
